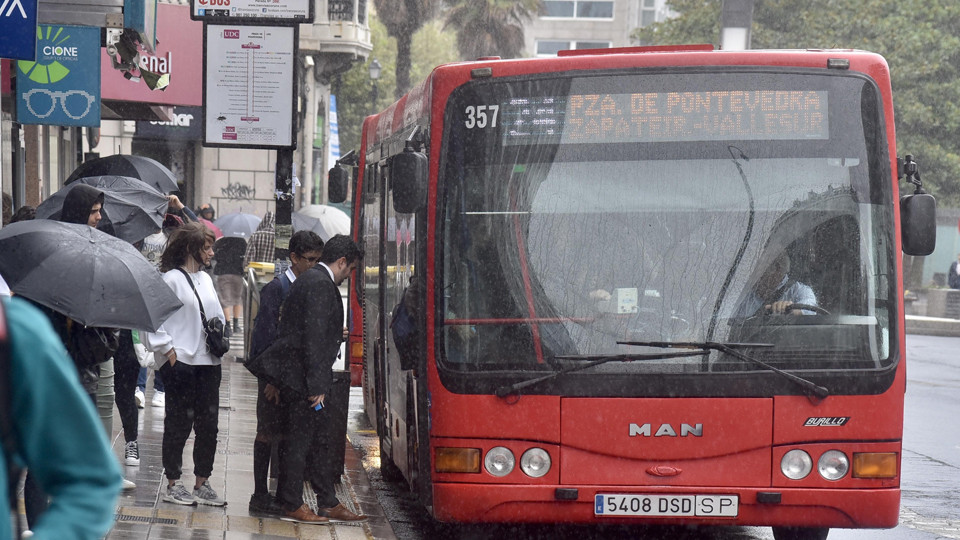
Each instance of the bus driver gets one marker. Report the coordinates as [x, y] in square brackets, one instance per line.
[775, 291]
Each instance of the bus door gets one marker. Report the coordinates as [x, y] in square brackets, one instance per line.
[398, 263]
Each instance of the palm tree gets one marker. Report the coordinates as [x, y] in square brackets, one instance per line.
[403, 18]
[490, 27]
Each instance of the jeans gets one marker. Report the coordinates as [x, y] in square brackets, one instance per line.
[142, 380]
[192, 404]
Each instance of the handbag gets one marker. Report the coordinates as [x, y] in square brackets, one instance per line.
[217, 342]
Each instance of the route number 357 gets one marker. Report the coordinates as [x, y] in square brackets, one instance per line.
[480, 116]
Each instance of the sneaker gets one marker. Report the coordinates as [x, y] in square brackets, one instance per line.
[178, 494]
[159, 399]
[206, 495]
[128, 485]
[138, 395]
[132, 453]
[236, 326]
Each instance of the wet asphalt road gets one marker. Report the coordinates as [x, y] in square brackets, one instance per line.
[930, 504]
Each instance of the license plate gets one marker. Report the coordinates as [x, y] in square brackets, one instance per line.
[666, 505]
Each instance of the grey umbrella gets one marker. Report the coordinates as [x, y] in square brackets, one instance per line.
[85, 274]
[237, 224]
[148, 170]
[132, 208]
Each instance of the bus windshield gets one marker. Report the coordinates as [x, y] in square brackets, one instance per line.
[590, 210]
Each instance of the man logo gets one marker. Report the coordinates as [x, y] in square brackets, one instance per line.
[51, 45]
[666, 430]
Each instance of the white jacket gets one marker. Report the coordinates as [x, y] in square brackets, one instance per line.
[183, 330]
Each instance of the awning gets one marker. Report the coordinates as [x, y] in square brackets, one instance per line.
[112, 109]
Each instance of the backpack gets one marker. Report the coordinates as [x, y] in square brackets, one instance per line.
[404, 330]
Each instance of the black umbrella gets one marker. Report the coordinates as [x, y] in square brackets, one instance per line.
[149, 170]
[134, 209]
[85, 274]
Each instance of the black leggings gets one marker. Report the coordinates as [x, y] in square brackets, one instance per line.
[126, 369]
[192, 404]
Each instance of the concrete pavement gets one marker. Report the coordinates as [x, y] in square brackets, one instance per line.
[142, 515]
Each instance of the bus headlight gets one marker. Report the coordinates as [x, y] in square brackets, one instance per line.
[535, 462]
[499, 461]
[833, 465]
[796, 464]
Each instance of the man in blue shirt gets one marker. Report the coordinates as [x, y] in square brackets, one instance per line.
[305, 250]
[57, 432]
[774, 292]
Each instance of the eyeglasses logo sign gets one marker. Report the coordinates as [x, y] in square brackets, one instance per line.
[62, 86]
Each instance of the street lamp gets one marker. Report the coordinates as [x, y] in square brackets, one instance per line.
[374, 76]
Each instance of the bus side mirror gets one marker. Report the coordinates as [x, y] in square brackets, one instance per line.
[408, 180]
[337, 182]
[918, 223]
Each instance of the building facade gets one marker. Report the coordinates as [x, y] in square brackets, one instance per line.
[589, 24]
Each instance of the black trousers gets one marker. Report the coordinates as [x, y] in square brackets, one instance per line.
[303, 456]
[126, 370]
[192, 403]
[322, 474]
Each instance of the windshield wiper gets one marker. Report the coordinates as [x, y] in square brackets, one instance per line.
[592, 360]
[810, 388]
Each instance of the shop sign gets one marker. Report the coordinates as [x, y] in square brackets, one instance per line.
[62, 86]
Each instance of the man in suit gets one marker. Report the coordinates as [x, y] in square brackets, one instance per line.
[953, 276]
[300, 364]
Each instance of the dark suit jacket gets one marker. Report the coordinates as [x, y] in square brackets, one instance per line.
[952, 278]
[311, 328]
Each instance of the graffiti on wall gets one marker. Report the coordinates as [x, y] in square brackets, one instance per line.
[238, 192]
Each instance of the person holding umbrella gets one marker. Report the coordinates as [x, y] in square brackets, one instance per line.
[90, 348]
[191, 374]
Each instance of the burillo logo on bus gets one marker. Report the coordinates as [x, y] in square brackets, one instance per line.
[641, 286]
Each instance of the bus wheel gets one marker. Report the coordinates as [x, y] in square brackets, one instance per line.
[388, 469]
[800, 533]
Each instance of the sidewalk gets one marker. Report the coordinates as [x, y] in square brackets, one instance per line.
[142, 515]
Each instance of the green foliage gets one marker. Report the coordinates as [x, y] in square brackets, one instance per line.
[490, 27]
[919, 38]
[431, 46]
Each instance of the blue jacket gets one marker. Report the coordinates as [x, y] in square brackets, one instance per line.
[268, 316]
[59, 436]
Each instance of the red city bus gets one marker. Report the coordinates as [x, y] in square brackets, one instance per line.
[639, 286]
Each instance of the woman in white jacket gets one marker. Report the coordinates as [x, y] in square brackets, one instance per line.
[190, 373]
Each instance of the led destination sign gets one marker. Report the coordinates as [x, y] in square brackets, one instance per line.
[666, 117]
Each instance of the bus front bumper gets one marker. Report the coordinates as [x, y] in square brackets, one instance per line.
[841, 508]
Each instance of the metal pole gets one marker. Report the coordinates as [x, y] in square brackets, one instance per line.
[283, 226]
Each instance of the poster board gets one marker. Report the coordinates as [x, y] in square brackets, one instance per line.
[253, 11]
[249, 86]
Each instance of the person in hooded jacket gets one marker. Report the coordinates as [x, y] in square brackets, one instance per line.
[90, 348]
